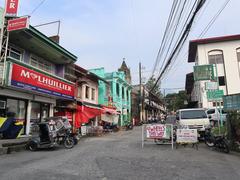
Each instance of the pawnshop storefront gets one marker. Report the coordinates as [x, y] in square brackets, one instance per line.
[32, 94]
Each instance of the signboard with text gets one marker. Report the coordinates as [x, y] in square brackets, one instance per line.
[11, 8]
[211, 85]
[158, 131]
[231, 102]
[187, 136]
[28, 79]
[203, 72]
[215, 95]
[18, 24]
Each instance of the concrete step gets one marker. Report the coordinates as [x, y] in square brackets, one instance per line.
[13, 145]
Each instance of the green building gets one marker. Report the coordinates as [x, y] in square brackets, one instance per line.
[116, 93]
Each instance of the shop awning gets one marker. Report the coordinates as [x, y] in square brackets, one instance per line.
[84, 114]
[108, 110]
[110, 118]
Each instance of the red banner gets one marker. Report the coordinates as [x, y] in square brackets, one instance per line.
[28, 79]
[11, 7]
[18, 24]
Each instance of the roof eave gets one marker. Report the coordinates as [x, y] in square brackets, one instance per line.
[51, 43]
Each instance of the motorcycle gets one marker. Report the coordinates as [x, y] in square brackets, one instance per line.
[53, 132]
[129, 127]
[218, 142]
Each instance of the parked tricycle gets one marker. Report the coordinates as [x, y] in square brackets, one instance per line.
[53, 132]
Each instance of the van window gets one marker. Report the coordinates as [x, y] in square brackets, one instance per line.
[223, 112]
[211, 111]
[193, 114]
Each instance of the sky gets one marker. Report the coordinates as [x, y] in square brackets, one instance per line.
[103, 32]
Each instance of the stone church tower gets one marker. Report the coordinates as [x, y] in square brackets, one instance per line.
[126, 70]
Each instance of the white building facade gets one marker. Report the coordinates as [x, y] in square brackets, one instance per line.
[224, 53]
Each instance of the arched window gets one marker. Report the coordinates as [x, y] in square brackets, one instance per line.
[238, 54]
[215, 57]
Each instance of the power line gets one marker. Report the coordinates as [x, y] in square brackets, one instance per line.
[38, 6]
[171, 41]
[164, 35]
[171, 31]
[211, 22]
[181, 40]
[214, 18]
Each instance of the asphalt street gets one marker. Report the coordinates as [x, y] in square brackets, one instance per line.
[119, 156]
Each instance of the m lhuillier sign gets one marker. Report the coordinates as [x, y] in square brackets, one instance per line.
[18, 24]
[11, 8]
[28, 79]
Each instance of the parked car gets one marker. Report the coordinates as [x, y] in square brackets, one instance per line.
[195, 118]
[214, 116]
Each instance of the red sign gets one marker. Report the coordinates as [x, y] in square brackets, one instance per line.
[11, 7]
[28, 79]
[18, 24]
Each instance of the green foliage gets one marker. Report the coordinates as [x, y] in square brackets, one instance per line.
[176, 101]
[156, 91]
[223, 130]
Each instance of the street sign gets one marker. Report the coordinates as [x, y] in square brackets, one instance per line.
[18, 24]
[231, 102]
[187, 136]
[11, 8]
[215, 95]
[203, 72]
[211, 85]
[159, 131]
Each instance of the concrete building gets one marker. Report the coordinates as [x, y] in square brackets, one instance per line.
[147, 107]
[33, 76]
[224, 53]
[120, 93]
[124, 68]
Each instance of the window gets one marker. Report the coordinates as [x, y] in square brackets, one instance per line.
[41, 64]
[14, 53]
[39, 112]
[18, 107]
[214, 104]
[221, 80]
[238, 54]
[215, 57]
[117, 89]
[127, 96]
[79, 92]
[93, 94]
[87, 89]
[123, 93]
[211, 111]
[193, 114]
[35, 112]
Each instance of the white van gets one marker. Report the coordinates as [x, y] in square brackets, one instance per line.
[215, 116]
[193, 118]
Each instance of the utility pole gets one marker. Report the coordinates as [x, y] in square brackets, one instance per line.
[140, 92]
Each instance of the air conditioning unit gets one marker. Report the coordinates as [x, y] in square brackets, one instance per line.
[2, 104]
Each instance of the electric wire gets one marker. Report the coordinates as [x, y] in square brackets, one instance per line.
[164, 36]
[183, 38]
[171, 39]
[37, 7]
[180, 34]
[211, 22]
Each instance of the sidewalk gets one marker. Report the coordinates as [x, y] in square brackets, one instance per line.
[9, 145]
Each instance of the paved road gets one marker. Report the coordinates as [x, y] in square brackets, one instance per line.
[118, 157]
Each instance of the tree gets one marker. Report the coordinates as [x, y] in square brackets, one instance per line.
[176, 101]
[156, 90]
